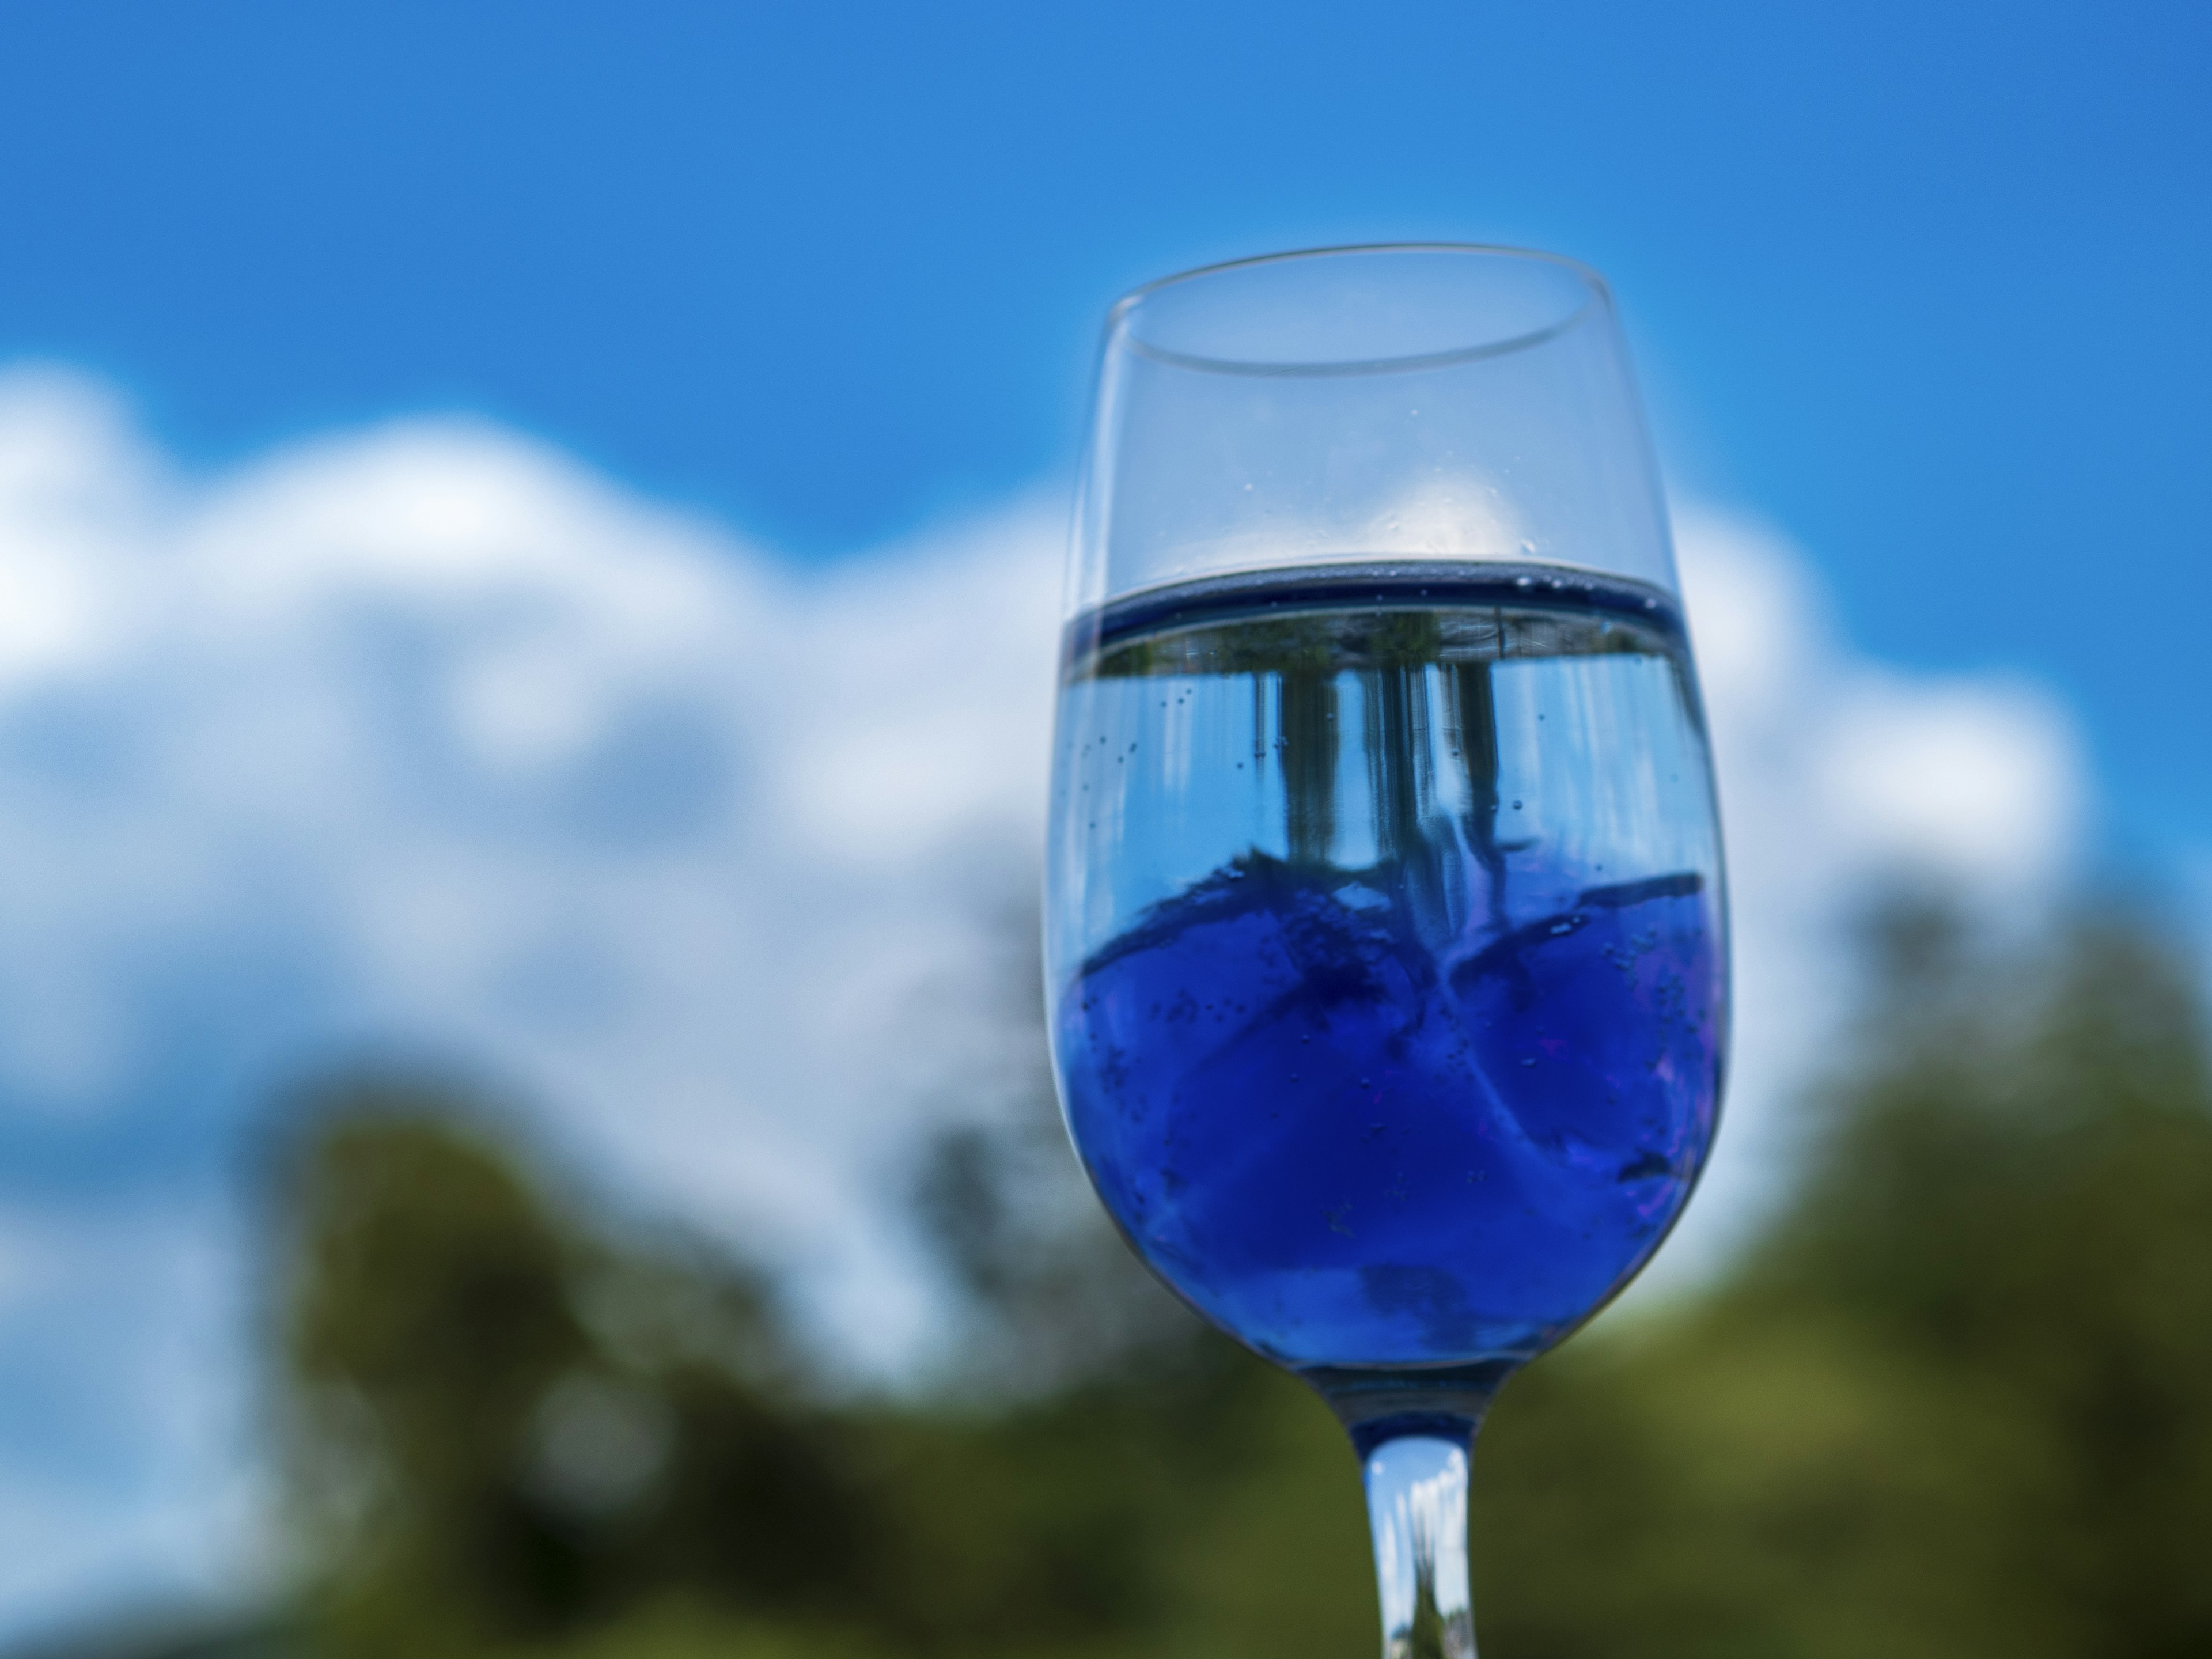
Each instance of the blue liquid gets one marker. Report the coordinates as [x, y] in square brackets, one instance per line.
[1387, 952]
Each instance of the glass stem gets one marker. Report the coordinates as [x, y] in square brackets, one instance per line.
[1416, 1505]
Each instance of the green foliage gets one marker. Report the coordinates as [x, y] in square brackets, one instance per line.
[1960, 1402]
[1957, 1402]
[508, 1430]
[512, 1434]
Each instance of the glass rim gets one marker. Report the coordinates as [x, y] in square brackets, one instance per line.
[1593, 285]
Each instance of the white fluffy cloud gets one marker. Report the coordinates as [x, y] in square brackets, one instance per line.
[426, 736]
[1841, 776]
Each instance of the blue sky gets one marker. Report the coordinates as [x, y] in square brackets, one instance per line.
[325, 727]
[1924, 283]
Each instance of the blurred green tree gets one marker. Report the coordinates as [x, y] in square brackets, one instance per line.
[507, 1430]
[1958, 1401]
[510, 1430]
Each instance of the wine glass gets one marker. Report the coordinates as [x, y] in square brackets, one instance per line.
[1385, 936]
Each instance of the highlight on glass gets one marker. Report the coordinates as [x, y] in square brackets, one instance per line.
[1385, 937]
